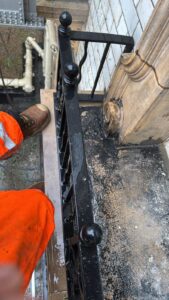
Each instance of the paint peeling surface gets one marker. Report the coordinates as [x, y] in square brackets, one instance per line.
[131, 204]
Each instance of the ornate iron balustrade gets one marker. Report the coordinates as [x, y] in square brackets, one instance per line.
[81, 234]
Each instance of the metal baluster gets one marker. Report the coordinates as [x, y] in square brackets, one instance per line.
[100, 68]
[83, 61]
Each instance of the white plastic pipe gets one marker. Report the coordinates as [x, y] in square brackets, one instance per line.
[28, 87]
[47, 62]
[50, 27]
[50, 52]
[44, 58]
[26, 81]
[16, 83]
[48, 55]
[35, 45]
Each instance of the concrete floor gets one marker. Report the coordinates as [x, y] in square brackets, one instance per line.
[131, 204]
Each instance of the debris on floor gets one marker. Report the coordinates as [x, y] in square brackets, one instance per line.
[130, 201]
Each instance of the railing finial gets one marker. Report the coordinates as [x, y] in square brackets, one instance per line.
[71, 71]
[65, 21]
[91, 234]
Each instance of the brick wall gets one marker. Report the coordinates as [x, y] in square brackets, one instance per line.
[127, 17]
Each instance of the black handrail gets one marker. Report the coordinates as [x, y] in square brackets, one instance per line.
[81, 234]
[104, 38]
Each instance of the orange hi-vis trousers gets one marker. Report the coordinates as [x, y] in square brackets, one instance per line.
[26, 217]
[11, 135]
[26, 226]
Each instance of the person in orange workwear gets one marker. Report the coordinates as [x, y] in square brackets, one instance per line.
[26, 216]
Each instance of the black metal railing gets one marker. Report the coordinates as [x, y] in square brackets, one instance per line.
[103, 38]
[81, 234]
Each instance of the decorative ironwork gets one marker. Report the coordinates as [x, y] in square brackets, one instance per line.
[81, 234]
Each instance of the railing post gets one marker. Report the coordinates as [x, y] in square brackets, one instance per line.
[65, 21]
[64, 40]
[71, 72]
[81, 234]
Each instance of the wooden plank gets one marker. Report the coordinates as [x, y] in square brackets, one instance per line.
[55, 253]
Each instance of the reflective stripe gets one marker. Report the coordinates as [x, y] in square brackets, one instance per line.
[9, 144]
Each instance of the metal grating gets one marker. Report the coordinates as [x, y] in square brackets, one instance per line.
[20, 13]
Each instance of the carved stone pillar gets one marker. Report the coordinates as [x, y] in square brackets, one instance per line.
[141, 82]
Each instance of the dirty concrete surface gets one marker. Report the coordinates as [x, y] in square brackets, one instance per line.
[131, 204]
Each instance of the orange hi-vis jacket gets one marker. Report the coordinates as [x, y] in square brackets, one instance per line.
[26, 225]
[11, 135]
